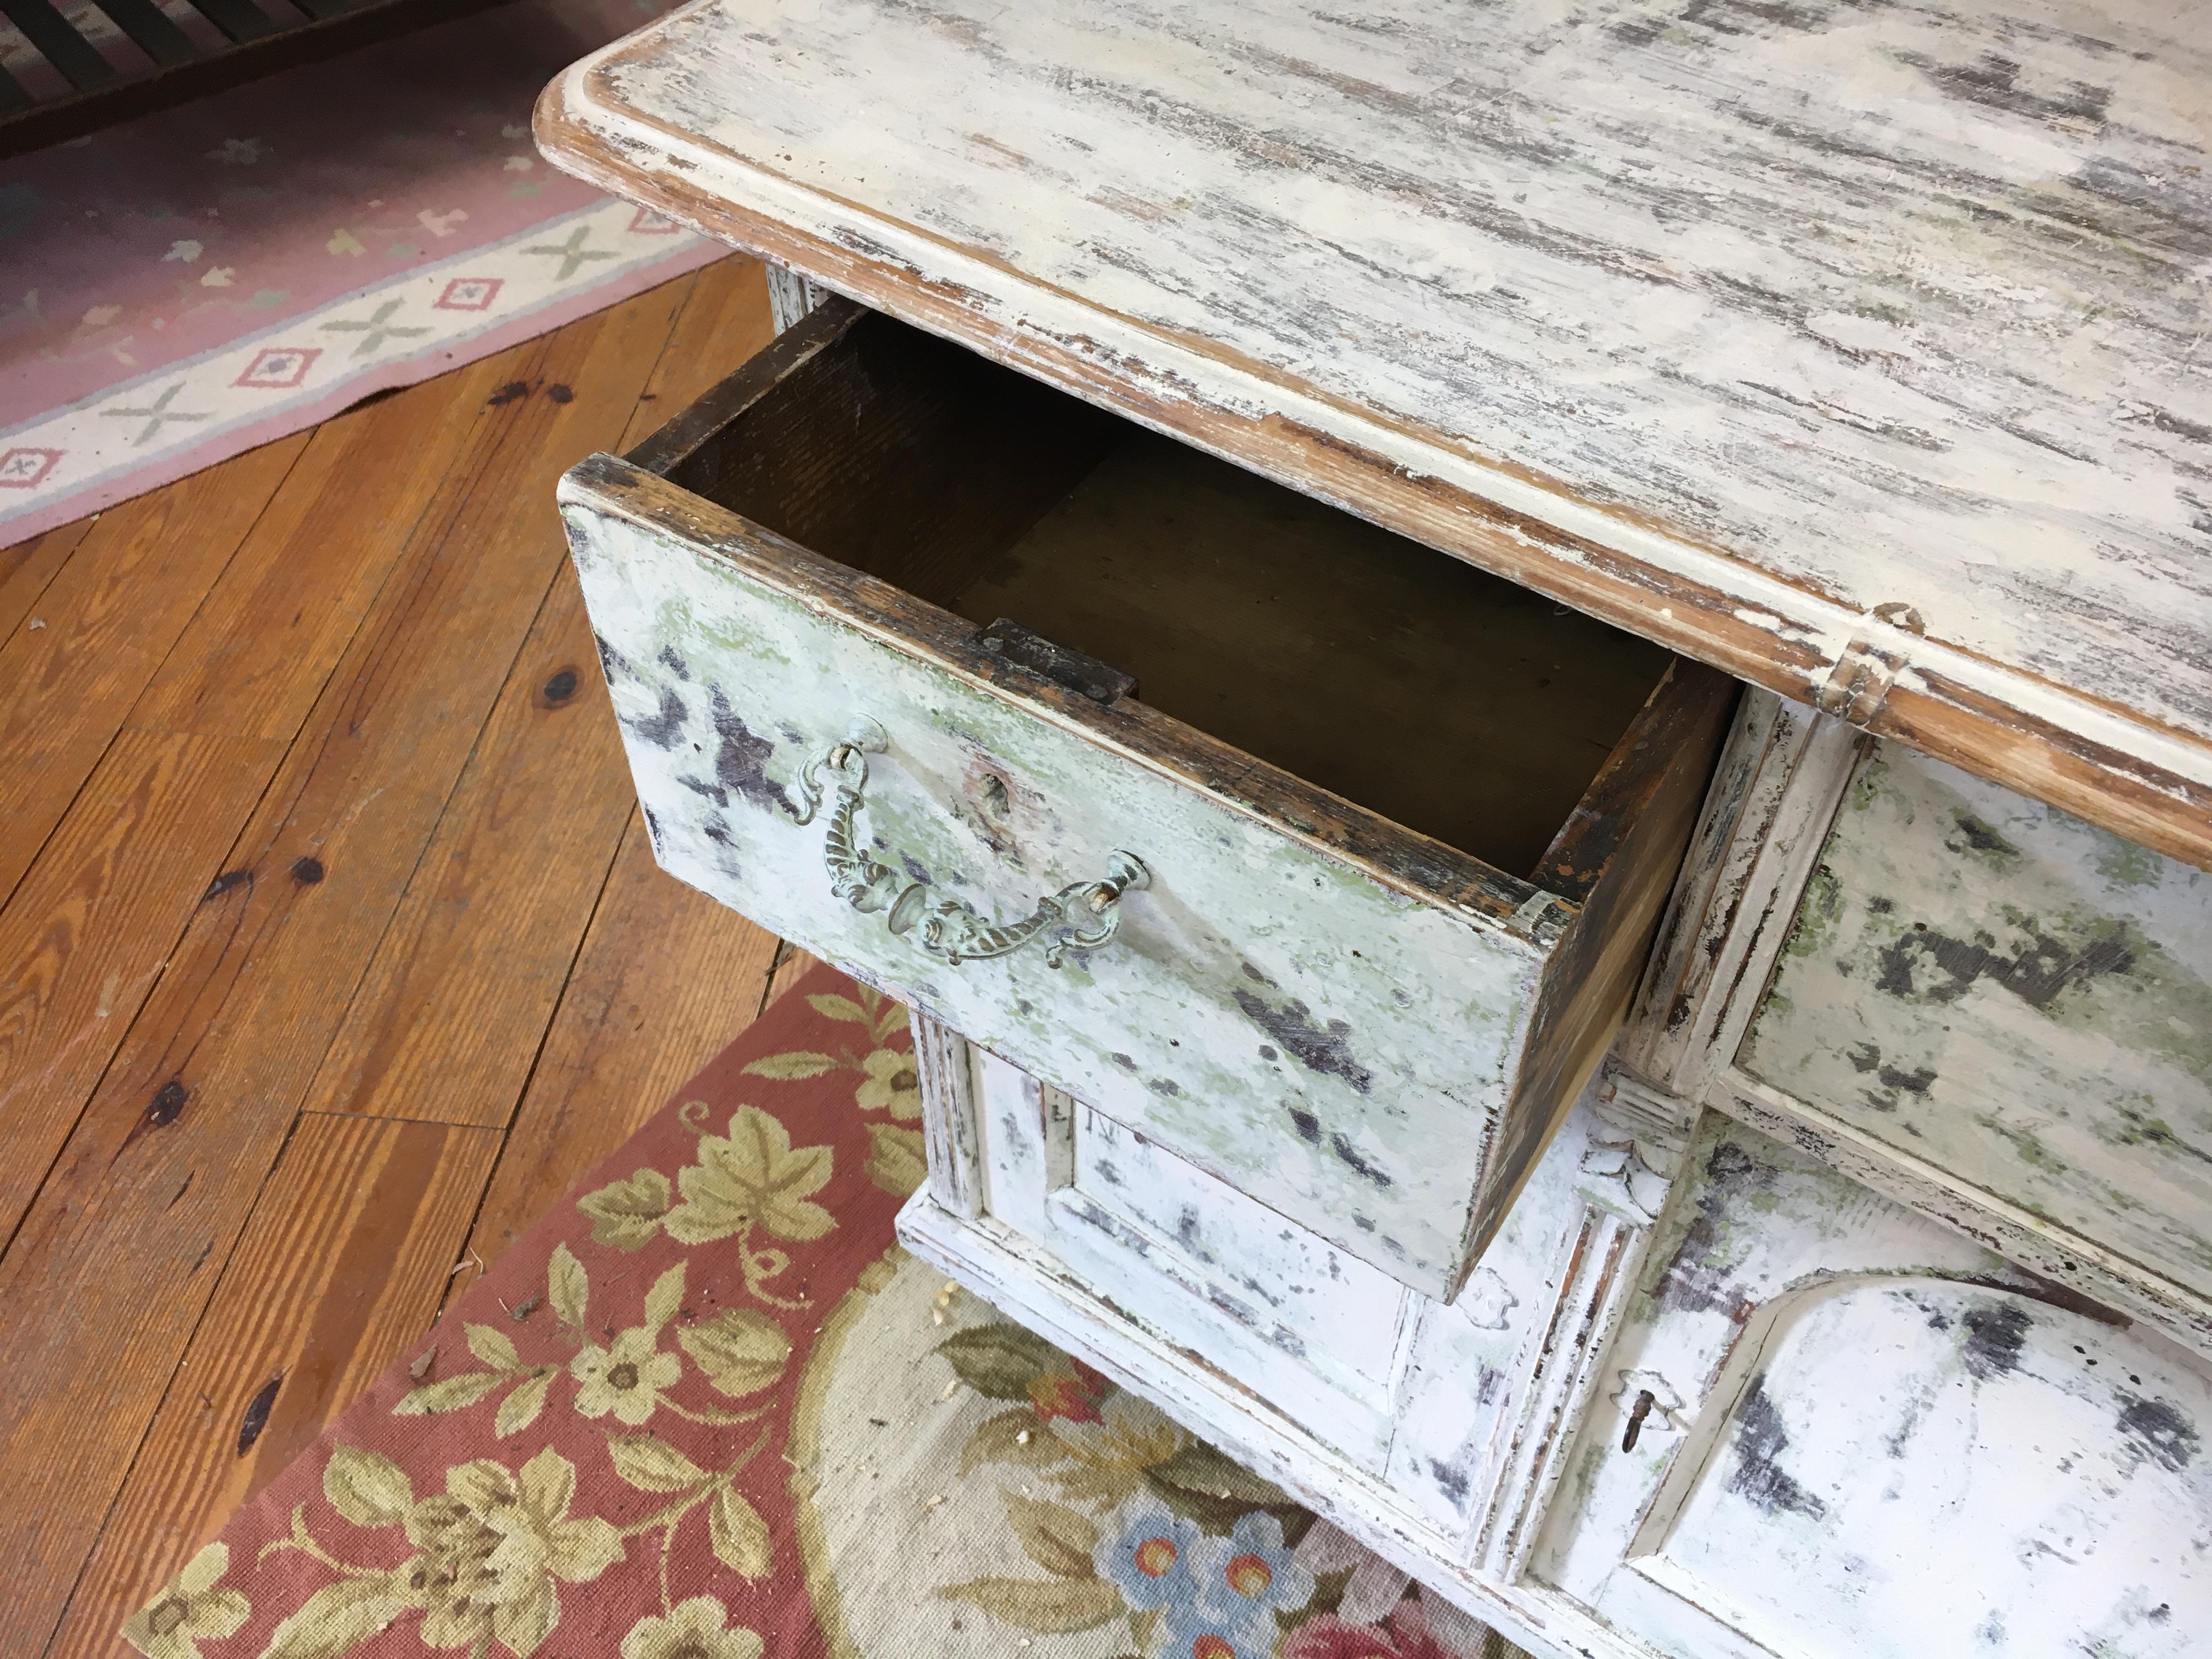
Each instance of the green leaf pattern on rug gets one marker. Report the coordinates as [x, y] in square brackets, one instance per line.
[491, 1551]
[629, 1377]
[889, 1081]
[194, 1606]
[897, 1160]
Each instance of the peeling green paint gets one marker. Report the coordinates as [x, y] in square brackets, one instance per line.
[1996, 988]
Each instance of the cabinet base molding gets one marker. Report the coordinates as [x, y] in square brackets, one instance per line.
[1029, 1286]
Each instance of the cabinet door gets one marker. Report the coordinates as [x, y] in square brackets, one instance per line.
[1834, 1430]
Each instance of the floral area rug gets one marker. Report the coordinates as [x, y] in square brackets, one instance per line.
[707, 1409]
[183, 287]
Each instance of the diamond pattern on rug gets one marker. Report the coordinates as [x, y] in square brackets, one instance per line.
[708, 1409]
[192, 284]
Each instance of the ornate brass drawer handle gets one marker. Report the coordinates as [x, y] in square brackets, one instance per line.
[1081, 917]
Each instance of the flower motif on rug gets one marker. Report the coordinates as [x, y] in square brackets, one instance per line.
[1148, 1528]
[194, 1608]
[660, 1427]
[891, 1084]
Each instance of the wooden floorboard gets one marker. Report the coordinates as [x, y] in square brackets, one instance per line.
[338, 1272]
[111, 614]
[87, 934]
[418, 892]
[468, 973]
[445, 1024]
[665, 980]
[28, 567]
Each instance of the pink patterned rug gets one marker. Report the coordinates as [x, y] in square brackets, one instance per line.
[188, 285]
[707, 1409]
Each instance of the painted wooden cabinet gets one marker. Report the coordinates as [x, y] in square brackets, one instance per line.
[1687, 1176]
[1325, 994]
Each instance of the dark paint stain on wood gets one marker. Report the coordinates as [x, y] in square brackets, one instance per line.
[1981, 838]
[740, 756]
[558, 688]
[562, 394]
[513, 393]
[1996, 1331]
[1360, 1166]
[1452, 1482]
[2157, 1430]
[1307, 1125]
[1316, 1049]
[1993, 82]
[1925, 966]
[612, 663]
[307, 871]
[1758, 1477]
[257, 1414]
[1866, 1057]
[1692, 1281]
[223, 883]
[662, 728]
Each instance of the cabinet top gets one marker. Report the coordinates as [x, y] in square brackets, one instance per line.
[1859, 349]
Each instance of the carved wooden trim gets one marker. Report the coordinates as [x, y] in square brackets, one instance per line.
[1764, 747]
[2057, 1254]
[790, 296]
[1860, 682]
[948, 1116]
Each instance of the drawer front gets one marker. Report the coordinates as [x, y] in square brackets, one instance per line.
[1316, 1305]
[1858, 1436]
[1338, 1049]
[1995, 988]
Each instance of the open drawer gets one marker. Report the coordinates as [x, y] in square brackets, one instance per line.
[1193, 796]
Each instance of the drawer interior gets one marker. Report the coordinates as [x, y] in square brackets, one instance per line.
[1450, 701]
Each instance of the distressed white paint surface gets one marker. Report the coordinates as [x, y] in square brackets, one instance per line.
[1821, 305]
[1336, 1048]
[1992, 986]
[1282, 1282]
[1879, 1441]
[1938, 1468]
[1443, 1455]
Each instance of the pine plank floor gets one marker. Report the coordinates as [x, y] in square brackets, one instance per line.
[331, 949]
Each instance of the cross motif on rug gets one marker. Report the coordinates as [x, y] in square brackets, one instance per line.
[156, 415]
[376, 330]
[571, 253]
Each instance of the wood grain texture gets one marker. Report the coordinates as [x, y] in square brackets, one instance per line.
[666, 978]
[258, 651]
[28, 567]
[263, 972]
[87, 935]
[111, 615]
[1726, 324]
[442, 1025]
[339, 1271]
